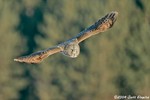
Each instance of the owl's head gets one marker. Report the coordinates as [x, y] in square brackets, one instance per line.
[71, 49]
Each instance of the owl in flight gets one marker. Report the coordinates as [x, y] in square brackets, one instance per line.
[71, 47]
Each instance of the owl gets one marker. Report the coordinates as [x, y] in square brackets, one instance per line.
[71, 47]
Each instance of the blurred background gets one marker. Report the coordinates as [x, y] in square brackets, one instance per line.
[116, 62]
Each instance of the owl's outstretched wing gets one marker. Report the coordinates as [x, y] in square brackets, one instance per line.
[37, 57]
[101, 25]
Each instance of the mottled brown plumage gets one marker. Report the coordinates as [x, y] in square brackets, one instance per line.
[71, 47]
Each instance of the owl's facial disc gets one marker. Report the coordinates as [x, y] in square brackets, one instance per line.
[71, 50]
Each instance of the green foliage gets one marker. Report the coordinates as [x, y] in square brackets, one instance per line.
[112, 63]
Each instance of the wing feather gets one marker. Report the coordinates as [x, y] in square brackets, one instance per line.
[101, 25]
[37, 57]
